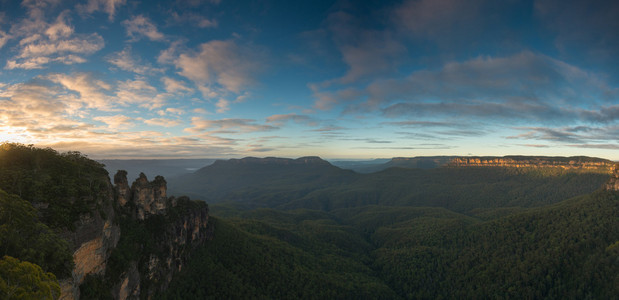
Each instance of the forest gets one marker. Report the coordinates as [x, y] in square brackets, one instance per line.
[309, 230]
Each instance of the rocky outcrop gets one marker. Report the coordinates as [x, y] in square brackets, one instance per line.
[144, 198]
[149, 197]
[613, 183]
[93, 239]
[180, 225]
[121, 188]
[578, 162]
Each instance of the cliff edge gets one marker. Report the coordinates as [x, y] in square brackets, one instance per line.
[613, 183]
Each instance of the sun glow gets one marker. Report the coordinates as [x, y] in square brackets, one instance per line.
[15, 135]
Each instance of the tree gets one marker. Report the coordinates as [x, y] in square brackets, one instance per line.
[24, 280]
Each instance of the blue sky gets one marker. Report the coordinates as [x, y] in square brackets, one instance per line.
[337, 79]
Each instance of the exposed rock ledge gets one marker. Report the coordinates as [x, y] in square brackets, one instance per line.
[97, 236]
[613, 183]
[577, 162]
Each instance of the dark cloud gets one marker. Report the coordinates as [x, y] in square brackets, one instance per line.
[584, 30]
[366, 51]
[585, 136]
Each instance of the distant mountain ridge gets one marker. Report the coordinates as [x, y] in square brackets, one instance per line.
[311, 182]
[227, 178]
[306, 160]
[512, 161]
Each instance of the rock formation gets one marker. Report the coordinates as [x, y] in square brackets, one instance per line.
[186, 229]
[184, 234]
[149, 197]
[94, 238]
[578, 162]
[613, 183]
[97, 235]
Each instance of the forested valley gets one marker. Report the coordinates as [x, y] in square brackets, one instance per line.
[320, 232]
[291, 229]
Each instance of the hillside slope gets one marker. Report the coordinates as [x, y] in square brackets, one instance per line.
[61, 214]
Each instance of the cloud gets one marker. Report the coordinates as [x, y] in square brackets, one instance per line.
[91, 91]
[139, 92]
[4, 37]
[37, 110]
[365, 51]
[575, 135]
[176, 111]
[522, 87]
[584, 30]
[436, 18]
[44, 43]
[144, 145]
[116, 122]
[200, 111]
[162, 122]
[227, 125]
[219, 65]
[326, 100]
[107, 6]
[141, 26]
[280, 120]
[194, 19]
[222, 105]
[125, 61]
[605, 114]
[175, 86]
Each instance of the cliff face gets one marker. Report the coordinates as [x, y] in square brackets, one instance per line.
[94, 238]
[613, 183]
[149, 197]
[582, 163]
[179, 225]
[175, 227]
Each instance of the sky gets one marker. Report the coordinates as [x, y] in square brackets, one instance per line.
[335, 79]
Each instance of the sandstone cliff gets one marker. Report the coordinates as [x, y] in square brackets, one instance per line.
[94, 238]
[613, 183]
[167, 229]
[174, 228]
[569, 163]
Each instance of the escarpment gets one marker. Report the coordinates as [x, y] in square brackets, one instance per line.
[93, 240]
[613, 183]
[159, 234]
[138, 242]
[569, 163]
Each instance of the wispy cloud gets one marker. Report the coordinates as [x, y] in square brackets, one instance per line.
[116, 122]
[139, 92]
[573, 136]
[90, 91]
[194, 20]
[582, 27]
[42, 43]
[227, 125]
[523, 87]
[126, 61]
[163, 122]
[175, 86]
[365, 51]
[140, 26]
[107, 6]
[280, 120]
